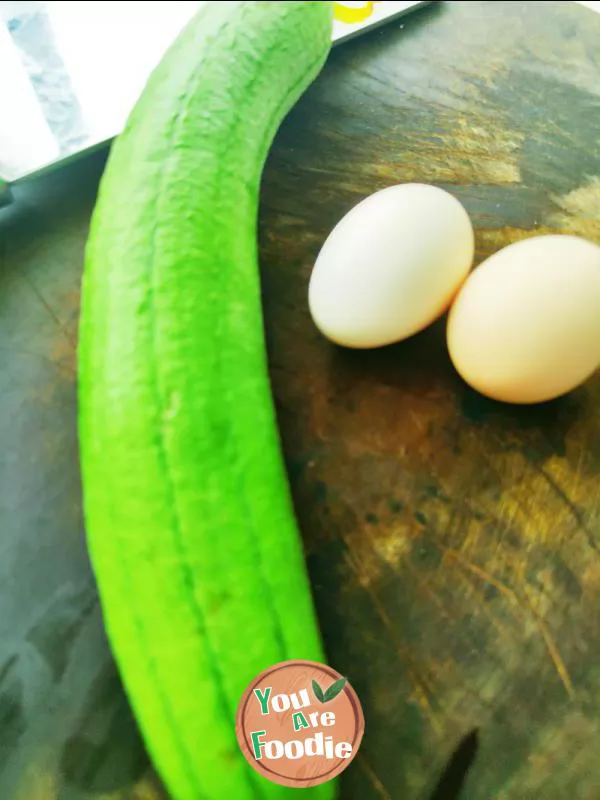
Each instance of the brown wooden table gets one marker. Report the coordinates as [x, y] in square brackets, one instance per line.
[453, 543]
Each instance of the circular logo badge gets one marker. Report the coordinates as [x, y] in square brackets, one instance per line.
[299, 723]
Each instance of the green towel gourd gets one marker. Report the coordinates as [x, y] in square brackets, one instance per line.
[191, 530]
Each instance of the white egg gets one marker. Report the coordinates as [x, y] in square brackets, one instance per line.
[391, 266]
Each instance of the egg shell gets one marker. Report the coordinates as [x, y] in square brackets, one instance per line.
[391, 266]
[525, 326]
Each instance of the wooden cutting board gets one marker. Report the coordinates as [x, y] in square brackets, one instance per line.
[453, 543]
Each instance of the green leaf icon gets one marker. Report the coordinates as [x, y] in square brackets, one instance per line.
[318, 692]
[334, 690]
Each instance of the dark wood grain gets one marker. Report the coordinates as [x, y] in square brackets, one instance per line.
[453, 543]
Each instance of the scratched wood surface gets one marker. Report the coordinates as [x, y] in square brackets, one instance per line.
[453, 543]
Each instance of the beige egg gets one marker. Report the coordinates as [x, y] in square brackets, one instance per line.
[391, 266]
[525, 326]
